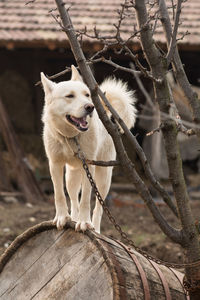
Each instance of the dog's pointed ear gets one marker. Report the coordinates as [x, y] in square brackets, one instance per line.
[75, 74]
[47, 84]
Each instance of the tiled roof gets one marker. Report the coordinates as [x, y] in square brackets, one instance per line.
[31, 25]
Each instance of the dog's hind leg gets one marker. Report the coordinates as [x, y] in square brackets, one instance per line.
[73, 184]
[62, 214]
[84, 218]
[103, 180]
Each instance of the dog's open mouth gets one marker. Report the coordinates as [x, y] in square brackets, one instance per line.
[80, 123]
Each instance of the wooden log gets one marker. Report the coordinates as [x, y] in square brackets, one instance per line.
[44, 263]
[24, 174]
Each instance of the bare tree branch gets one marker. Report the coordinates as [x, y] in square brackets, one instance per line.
[67, 70]
[172, 44]
[190, 125]
[141, 87]
[101, 163]
[154, 130]
[186, 131]
[115, 65]
[173, 233]
[178, 68]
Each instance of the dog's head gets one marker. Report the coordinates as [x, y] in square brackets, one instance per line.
[68, 101]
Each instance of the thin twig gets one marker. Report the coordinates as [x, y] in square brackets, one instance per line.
[188, 132]
[154, 130]
[173, 41]
[115, 65]
[143, 69]
[101, 163]
[141, 87]
[167, 116]
[67, 70]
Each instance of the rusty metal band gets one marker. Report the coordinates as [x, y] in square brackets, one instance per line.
[121, 279]
[163, 280]
[180, 277]
[118, 278]
[141, 271]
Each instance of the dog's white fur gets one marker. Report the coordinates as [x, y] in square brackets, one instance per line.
[72, 98]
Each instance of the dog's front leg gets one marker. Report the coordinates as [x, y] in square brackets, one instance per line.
[84, 218]
[73, 183]
[62, 214]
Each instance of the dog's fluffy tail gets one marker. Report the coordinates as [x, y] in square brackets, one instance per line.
[121, 98]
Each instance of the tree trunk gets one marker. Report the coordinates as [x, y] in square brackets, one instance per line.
[158, 67]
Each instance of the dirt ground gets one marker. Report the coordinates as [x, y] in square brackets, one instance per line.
[18, 215]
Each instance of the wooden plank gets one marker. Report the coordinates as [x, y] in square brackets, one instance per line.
[51, 273]
[5, 185]
[83, 277]
[28, 253]
[24, 174]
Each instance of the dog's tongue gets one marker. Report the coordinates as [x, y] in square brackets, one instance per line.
[81, 121]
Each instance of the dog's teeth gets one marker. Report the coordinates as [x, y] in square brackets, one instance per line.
[80, 123]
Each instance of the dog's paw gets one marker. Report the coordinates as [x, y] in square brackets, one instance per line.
[83, 226]
[61, 220]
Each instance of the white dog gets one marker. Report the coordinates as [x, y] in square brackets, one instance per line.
[69, 112]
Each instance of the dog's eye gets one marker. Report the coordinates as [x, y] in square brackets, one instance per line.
[87, 95]
[70, 96]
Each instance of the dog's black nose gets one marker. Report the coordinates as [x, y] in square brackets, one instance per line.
[89, 108]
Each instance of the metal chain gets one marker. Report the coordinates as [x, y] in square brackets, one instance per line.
[187, 285]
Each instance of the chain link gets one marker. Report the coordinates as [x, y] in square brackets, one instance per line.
[187, 285]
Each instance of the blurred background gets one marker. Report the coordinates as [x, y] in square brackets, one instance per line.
[31, 42]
